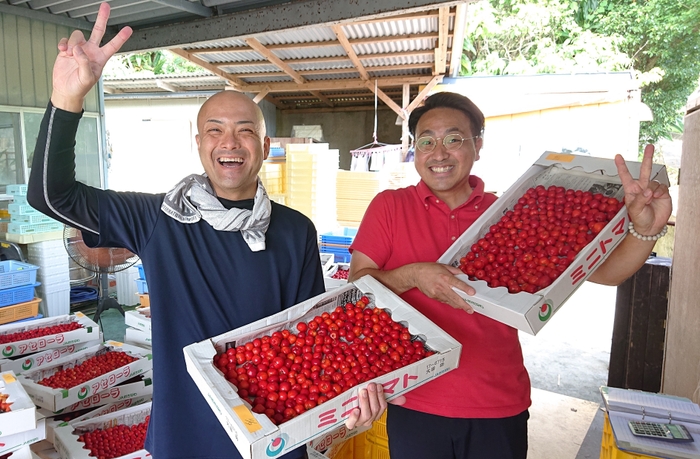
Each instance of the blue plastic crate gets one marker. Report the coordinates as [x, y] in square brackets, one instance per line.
[19, 188]
[340, 254]
[16, 295]
[142, 273]
[341, 237]
[141, 286]
[16, 273]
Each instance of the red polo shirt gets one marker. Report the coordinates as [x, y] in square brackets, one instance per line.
[411, 225]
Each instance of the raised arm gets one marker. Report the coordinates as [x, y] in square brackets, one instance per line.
[79, 63]
[52, 188]
[649, 206]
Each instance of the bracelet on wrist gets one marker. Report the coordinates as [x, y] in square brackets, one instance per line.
[647, 238]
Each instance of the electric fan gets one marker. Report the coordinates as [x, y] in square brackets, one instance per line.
[103, 261]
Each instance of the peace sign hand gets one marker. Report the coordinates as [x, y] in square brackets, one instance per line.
[648, 202]
[79, 63]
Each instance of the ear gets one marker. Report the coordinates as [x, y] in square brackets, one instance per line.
[266, 147]
[196, 138]
[477, 147]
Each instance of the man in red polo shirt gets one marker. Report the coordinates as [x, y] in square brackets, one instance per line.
[480, 409]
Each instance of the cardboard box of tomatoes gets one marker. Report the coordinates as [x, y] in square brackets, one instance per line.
[253, 433]
[94, 390]
[69, 445]
[60, 331]
[39, 359]
[53, 420]
[591, 179]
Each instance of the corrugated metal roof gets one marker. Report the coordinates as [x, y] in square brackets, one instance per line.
[323, 50]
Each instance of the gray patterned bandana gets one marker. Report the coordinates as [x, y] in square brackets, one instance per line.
[193, 198]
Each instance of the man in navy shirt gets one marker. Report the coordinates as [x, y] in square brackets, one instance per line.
[218, 254]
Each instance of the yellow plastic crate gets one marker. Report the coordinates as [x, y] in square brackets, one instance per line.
[19, 311]
[608, 447]
[144, 299]
[377, 435]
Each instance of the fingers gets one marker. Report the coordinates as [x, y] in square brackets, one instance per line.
[116, 43]
[372, 405]
[645, 172]
[76, 38]
[624, 173]
[63, 45]
[98, 30]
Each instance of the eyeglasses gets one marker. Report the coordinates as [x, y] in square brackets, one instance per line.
[427, 143]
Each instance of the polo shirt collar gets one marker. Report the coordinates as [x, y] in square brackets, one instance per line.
[429, 198]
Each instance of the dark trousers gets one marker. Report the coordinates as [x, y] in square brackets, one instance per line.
[416, 435]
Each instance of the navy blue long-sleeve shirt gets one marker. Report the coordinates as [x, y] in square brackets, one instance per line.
[202, 282]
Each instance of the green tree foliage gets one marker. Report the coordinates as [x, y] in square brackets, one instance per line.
[656, 39]
[160, 62]
[662, 37]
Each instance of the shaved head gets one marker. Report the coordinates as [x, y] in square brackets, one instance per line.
[233, 99]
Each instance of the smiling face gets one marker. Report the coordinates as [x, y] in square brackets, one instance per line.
[232, 144]
[447, 172]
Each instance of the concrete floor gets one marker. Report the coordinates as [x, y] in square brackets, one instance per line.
[568, 362]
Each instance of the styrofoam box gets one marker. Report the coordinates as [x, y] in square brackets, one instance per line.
[56, 399]
[130, 389]
[89, 331]
[31, 361]
[332, 284]
[21, 417]
[125, 286]
[254, 434]
[530, 312]
[54, 302]
[138, 337]
[47, 271]
[56, 279]
[15, 442]
[53, 421]
[66, 437]
[138, 319]
[43, 450]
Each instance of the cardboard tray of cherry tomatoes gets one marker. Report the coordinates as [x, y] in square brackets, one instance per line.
[29, 362]
[139, 318]
[57, 399]
[54, 420]
[254, 434]
[66, 438]
[526, 311]
[86, 330]
[17, 411]
[139, 386]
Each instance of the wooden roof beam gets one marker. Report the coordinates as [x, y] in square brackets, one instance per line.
[235, 82]
[458, 31]
[269, 55]
[386, 99]
[325, 85]
[323, 98]
[338, 30]
[441, 49]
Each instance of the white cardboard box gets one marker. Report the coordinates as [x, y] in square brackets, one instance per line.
[253, 434]
[138, 337]
[21, 416]
[124, 391]
[56, 399]
[15, 442]
[89, 331]
[530, 312]
[32, 361]
[138, 318]
[66, 437]
[54, 421]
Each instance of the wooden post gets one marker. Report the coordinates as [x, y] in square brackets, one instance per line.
[681, 374]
